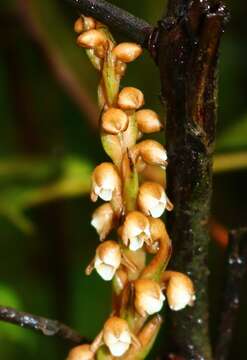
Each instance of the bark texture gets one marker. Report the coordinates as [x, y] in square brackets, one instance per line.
[187, 54]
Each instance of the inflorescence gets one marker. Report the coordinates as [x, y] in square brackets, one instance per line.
[133, 189]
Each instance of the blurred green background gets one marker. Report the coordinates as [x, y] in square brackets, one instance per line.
[49, 146]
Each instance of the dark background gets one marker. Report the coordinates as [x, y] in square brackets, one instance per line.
[48, 148]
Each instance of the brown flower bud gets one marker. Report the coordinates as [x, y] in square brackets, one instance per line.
[91, 39]
[105, 180]
[152, 152]
[127, 52]
[81, 352]
[107, 259]
[136, 230]
[152, 199]
[114, 121]
[148, 121]
[179, 290]
[149, 298]
[102, 220]
[130, 98]
[117, 336]
[79, 25]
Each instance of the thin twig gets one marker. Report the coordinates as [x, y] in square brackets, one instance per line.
[120, 20]
[46, 326]
[236, 268]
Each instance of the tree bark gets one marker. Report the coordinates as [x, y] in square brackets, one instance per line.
[187, 56]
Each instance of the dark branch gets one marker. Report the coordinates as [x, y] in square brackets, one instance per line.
[187, 55]
[236, 268]
[118, 19]
[47, 327]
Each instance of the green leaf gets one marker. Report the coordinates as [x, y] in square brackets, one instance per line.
[41, 182]
[235, 137]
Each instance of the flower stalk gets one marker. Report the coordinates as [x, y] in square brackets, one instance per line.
[133, 187]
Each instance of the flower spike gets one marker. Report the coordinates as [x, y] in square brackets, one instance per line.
[133, 187]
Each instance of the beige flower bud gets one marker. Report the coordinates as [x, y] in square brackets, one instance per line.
[105, 180]
[136, 230]
[91, 39]
[149, 298]
[179, 290]
[130, 98]
[102, 220]
[127, 52]
[152, 152]
[152, 199]
[114, 121]
[107, 259]
[148, 121]
[117, 336]
[81, 352]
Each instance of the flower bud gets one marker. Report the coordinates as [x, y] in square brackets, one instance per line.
[81, 352]
[127, 52]
[114, 121]
[136, 230]
[179, 290]
[105, 180]
[130, 98]
[152, 152]
[152, 199]
[148, 121]
[79, 25]
[149, 298]
[116, 336]
[91, 39]
[102, 220]
[107, 259]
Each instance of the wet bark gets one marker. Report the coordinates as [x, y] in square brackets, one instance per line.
[187, 55]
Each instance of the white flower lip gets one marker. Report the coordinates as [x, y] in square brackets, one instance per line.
[119, 345]
[149, 298]
[156, 206]
[107, 259]
[104, 193]
[136, 230]
[136, 243]
[152, 305]
[107, 272]
[117, 336]
[181, 298]
[105, 180]
[158, 209]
